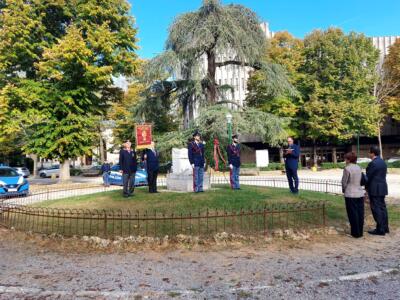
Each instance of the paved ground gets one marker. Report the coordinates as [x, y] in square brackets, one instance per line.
[335, 267]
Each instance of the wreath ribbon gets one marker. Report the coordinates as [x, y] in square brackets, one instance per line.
[217, 154]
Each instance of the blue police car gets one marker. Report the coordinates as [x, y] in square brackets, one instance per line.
[116, 176]
[12, 183]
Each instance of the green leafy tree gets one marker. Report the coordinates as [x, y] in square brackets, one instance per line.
[212, 124]
[214, 29]
[286, 51]
[338, 86]
[69, 52]
[391, 71]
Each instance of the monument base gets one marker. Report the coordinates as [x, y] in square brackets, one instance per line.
[184, 182]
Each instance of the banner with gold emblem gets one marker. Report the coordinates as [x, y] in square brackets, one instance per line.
[143, 136]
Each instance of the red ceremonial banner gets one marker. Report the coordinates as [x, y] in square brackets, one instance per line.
[143, 136]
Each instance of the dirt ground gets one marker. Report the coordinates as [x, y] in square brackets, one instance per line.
[322, 267]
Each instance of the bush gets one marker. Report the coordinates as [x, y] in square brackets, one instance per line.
[329, 165]
[395, 164]
[75, 172]
[273, 167]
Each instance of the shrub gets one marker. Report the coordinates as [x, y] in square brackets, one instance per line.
[395, 164]
[329, 165]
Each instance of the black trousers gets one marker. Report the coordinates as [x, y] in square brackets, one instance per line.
[293, 178]
[379, 212]
[355, 213]
[128, 180]
[152, 180]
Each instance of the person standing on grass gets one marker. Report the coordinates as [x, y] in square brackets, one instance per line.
[353, 194]
[291, 155]
[128, 168]
[105, 170]
[377, 189]
[150, 157]
[197, 161]
[233, 151]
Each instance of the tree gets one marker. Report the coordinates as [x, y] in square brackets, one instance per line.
[80, 47]
[212, 124]
[338, 85]
[215, 27]
[286, 51]
[391, 81]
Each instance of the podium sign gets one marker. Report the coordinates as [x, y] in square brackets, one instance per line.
[143, 136]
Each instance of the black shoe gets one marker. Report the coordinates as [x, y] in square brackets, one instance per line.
[375, 232]
[387, 231]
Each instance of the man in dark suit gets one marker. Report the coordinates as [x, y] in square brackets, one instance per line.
[197, 160]
[150, 157]
[291, 155]
[377, 190]
[128, 167]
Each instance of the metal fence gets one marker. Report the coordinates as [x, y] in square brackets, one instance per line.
[111, 223]
[19, 213]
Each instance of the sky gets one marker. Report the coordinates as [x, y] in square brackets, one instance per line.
[299, 17]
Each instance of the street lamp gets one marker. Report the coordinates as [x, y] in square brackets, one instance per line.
[229, 121]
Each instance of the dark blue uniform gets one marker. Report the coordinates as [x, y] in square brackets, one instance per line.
[105, 171]
[233, 152]
[291, 166]
[128, 166]
[196, 158]
[152, 166]
[234, 155]
[377, 189]
[196, 154]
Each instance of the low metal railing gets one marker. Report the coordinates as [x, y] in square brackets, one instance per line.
[19, 213]
[111, 223]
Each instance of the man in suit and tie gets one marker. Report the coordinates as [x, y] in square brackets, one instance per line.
[197, 161]
[291, 155]
[128, 167]
[377, 190]
[150, 157]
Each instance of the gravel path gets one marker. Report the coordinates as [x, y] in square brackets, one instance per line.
[335, 267]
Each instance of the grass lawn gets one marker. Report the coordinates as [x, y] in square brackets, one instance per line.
[221, 197]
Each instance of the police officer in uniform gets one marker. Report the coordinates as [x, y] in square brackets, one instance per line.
[291, 155]
[233, 151]
[150, 157]
[197, 161]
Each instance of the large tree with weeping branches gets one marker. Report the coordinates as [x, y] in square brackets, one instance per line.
[212, 30]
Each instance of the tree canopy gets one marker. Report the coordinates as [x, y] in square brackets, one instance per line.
[334, 74]
[63, 59]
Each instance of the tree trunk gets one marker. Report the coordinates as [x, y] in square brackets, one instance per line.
[35, 164]
[211, 86]
[334, 155]
[64, 171]
[380, 139]
[281, 156]
[315, 153]
[101, 146]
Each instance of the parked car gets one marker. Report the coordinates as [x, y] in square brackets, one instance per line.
[92, 172]
[12, 183]
[116, 176]
[393, 159]
[47, 172]
[363, 160]
[24, 171]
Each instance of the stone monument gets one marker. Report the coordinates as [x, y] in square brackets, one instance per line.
[181, 178]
